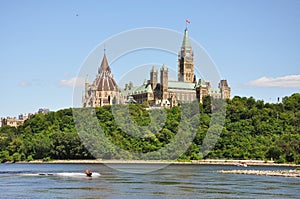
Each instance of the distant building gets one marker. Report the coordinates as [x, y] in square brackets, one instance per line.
[15, 122]
[43, 110]
[164, 93]
[25, 116]
[11, 121]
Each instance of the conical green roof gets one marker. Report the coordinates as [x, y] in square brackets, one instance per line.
[186, 41]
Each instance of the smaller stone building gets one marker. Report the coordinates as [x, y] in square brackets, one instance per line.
[104, 89]
[15, 122]
[11, 121]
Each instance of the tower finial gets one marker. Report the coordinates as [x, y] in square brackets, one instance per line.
[186, 41]
[104, 49]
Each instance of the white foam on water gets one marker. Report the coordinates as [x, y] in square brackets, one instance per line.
[29, 174]
[64, 174]
[68, 174]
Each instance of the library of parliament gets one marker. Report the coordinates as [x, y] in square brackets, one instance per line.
[164, 93]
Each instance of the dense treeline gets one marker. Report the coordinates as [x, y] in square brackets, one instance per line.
[252, 130]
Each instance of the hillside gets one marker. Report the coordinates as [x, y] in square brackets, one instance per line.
[252, 130]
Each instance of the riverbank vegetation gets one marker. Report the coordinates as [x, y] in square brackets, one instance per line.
[252, 130]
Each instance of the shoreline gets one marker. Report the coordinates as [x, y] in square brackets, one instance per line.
[281, 173]
[193, 162]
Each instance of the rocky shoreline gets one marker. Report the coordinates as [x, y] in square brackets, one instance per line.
[283, 173]
[200, 162]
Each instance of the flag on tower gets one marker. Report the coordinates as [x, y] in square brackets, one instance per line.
[187, 21]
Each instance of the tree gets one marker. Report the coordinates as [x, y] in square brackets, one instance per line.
[252, 130]
[274, 153]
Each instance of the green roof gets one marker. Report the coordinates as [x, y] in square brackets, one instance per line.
[143, 89]
[214, 91]
[201, 82]
[186, 41]
[128, 92]
[181, 85]
[149, 88]
[164, 67]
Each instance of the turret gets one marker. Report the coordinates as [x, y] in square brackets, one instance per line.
[86, 86]
[225, 89]
[164, 82]
[153, 77]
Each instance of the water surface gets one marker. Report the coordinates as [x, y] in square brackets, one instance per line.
[173, 181]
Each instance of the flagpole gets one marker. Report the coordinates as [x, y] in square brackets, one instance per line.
[187, 22]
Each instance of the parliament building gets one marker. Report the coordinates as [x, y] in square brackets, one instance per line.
[158, 90]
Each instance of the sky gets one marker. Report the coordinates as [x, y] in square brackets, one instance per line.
[255, 45]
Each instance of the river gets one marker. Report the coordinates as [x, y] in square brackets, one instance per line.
[173, 181]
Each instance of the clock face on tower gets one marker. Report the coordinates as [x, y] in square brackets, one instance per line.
[188, 56]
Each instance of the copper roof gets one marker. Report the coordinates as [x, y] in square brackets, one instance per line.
[104, 65]
[105, 80]
[186, 41]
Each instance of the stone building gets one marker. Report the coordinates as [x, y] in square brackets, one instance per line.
[157, 93]
[104, 90]
[14, 121]
[11, 121]
[186, 89]
[44, 110]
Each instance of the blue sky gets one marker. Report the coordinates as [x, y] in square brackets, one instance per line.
[255, 44]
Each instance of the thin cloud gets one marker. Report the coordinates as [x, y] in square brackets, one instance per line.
[24, 84]
[73, 82]
[289, 81]
[33, 82]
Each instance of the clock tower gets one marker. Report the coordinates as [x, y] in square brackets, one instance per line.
[186, 61]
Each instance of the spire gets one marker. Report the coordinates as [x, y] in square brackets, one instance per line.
[153, 69]
[104, 65]
[186, 41]
[86, 79]
[164, 67]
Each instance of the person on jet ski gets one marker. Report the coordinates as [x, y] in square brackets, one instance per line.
[88, 173]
